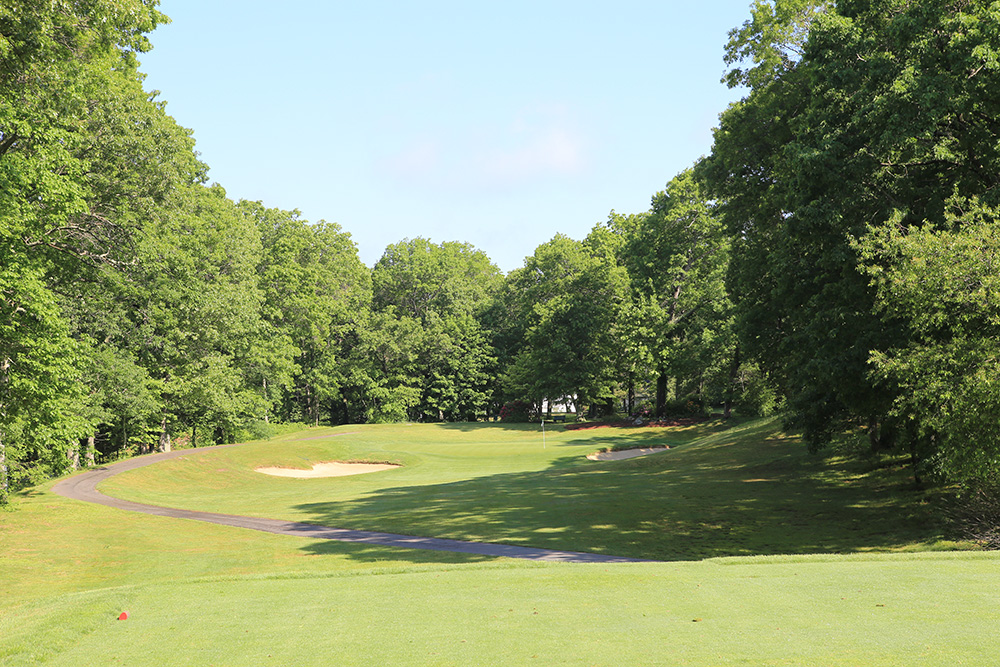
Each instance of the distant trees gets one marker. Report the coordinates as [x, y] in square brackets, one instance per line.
[638, 307]
[836, 253]
[434, 296]
[565, 304]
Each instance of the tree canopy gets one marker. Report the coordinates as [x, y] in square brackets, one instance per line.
[883, 125]
[834, 255]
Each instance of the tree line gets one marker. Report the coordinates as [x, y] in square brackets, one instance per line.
[832, 258]
[857, 180]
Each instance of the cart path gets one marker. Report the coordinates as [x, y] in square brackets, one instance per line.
[84, 487]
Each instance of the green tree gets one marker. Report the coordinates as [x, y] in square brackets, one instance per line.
[197, 288]
[40, 397]
[440, 291]
[886, 117]
[567, 303]
[677, 257]
[84, 153]
[945, 374]
[771, 41]
[316, 293]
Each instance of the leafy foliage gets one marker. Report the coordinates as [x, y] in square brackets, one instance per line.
[883, 124]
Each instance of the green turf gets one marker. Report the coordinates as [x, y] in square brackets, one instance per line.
[845, 611]
[200, 594]
[740, 491]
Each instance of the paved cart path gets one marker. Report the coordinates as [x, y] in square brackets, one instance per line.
[84, 487]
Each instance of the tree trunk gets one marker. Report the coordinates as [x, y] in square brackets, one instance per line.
[4, 485]
[730, 390]
[88, 453]
[164, 445]
[661, 393]
[312, 405]
[73, 454]
[630, 395]
[4, 475]
[915, 463]
[194, 436]
[266, 421]
[877, 438]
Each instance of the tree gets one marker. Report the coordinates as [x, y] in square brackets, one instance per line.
[886, 117]
[197, 288]
[945, 375]
[676, 259]
[40, 397]
[567, 303]
[772, 40]
[439, 293]
[316, 293]
[71, 108]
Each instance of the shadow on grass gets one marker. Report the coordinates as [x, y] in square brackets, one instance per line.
[750, 491]
[694, 430]
[388, 555]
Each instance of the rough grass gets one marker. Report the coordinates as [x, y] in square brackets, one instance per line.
[200, 594]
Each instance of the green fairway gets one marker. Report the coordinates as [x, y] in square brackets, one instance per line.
[746, 490]
[201, 594]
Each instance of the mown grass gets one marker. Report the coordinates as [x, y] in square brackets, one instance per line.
[200, 594]
[747, 490]
[883, 611]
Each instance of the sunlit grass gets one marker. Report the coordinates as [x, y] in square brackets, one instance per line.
[747, 490]
[809, 587]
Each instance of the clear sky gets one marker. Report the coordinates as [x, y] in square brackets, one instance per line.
[498, 124]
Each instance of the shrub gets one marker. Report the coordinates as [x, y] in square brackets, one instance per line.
[976, 516]
[516, 412]
[693, 405]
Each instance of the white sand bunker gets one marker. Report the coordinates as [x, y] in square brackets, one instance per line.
[624, 454]
[328, 469]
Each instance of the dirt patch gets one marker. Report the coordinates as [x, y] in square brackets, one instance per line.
[327, 469]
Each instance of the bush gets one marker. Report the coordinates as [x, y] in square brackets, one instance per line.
[757, 396]
[693, 405]
[644, 411]
[976, 517]
[516, 412]
[258, 430]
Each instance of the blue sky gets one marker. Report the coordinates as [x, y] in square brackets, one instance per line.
[497, 124]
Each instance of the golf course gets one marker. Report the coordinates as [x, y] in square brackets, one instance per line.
[764, 554]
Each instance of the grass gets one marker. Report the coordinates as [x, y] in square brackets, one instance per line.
[747, 490]
[858, 580]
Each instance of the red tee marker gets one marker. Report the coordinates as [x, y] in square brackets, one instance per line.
[123, 616]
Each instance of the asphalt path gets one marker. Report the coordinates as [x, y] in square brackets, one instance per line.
[83, 487]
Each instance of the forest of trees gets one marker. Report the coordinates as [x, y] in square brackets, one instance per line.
[834, 258]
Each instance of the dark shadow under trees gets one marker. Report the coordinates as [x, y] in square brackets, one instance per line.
[730, 498]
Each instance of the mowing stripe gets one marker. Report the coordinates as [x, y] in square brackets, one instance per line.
[84, 487]
[320, 437]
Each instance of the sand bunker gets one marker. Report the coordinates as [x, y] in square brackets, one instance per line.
[624, 454]
[328, 469]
